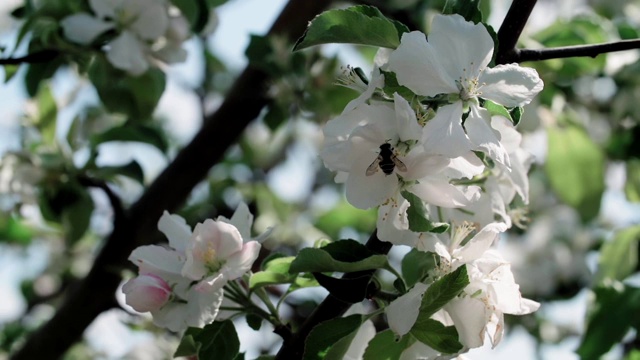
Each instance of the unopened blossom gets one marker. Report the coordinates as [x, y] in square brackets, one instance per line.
[139, 25]
[455, 61]
[147, 292]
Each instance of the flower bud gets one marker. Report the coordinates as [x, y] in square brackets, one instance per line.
[146, 292]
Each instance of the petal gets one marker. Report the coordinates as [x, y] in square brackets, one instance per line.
[510, 85]
[408, 127]
[157, 260]
[365, 333]
[468, 165]
[403, 311]
[175, 228]
[483, 136]
[466, 48]
[127, 53]
[203, 307]
[83, 28]
[393, 224]
[436, 190]
[509, 136]
[470, 317]
[480, 243]
[420, 165]
[152, 19]
[444, 135]
[224, 238]
[364, 191]
[239, 263]
[419, 350]
[211, 283]
[375, 82]
[418, 66]
[242, 219]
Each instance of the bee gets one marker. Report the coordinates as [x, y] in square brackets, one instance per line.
[386, 160]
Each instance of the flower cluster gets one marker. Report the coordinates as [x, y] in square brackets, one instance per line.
[144, 30]
[182, 284]
[425, 144]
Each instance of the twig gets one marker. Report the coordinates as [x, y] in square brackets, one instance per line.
[574, 51]
[114, 200]
[329, 308]
[511, 28]
[36, 57]
[96, 292]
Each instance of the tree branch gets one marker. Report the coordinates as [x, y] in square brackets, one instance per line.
[511, 28]
[329, 308]
[36, 57]
[575, 51]
[95, 293]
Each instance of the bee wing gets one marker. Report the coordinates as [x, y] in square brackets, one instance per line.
[399, 164]
[373, 168]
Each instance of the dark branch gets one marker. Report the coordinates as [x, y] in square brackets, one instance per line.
[330, 308]
[114, 200]
[575, 51]
[36, 57]
[511, 29]
[96, 292]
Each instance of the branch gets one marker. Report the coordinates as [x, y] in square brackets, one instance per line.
[95, 293]
[36, 57]
[116, 204]
[329, 308]
[574, 51]
[511, 28]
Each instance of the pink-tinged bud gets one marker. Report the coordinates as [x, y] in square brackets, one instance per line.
[146, 292]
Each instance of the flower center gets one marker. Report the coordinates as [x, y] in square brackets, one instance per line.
[210, 259]
[460, 232]
[469, 84]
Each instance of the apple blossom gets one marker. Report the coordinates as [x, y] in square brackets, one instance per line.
[146, 292]
[454, 61]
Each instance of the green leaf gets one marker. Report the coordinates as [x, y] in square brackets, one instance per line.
[275, 271]
[348, 289]
[575, 167]
[328, 334]
[10, 70]
[496, 109]
[615, 310]
[195, 11]
[14, 231]
[415, 266]
[342, 256]
[254, 321]
[632, 185]
[261, 54]
[38, 72]
[437, 336]
[343, 215]
[133, 132]
[132, 170]
[217, 340]
[516, 114]
[384, 346]
[47, 115]
[442, 291]
[392, 86]
[135, 96]
[619, 257]
[419, 218]
[467, 8]
[364, 25]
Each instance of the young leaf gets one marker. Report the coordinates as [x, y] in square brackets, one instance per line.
[217, 340]
[418, 217]
[132, 170]
[632, 185]
[384, 346]
[364, 25]
[415, 266]
[496, 109]
[575, 167]
[47, 115]
[442, 291]
[330, 333]
[467, 8]
[275, 271]
[437, 336]
[619, 257]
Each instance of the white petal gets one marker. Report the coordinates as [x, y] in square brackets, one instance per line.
[239, 263]
[464, 47]
[376, 81]
[444, 135]
[364, 191]
[468, 165]
[152, 21]
[393, 224]
[106, 8]
[420, 165]
[154, 259]
[418, 66]
[175, 228]
[436, 190]
[242, 219]
[483, 136]
[509, 136]
[203, 307]
[127, 53]
[403, 311]
[420, 351]
[470, 317]
[83, 28]
[480, 243]
[510, 85]
[408, 127]
[365, 333]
